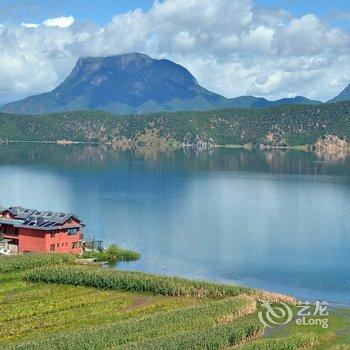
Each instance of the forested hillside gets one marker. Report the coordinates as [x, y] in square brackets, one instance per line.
[283, 126]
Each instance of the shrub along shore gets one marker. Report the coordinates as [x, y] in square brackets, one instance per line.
[112, 255]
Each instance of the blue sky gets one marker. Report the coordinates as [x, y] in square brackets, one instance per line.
[335, 12]
[99, 12]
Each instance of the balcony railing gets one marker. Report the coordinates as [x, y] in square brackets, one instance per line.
[9, 234]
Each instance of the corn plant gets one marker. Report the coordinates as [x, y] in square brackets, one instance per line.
[134, 282]
[202, 318]
[211, 338]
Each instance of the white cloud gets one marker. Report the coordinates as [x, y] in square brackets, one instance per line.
[258, 39]
[30, 25]
[61, 22]
[231, 46]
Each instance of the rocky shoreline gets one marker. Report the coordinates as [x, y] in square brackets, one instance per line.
[331, 147]
[328, 147]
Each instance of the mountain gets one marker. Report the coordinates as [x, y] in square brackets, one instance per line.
[248, 102]
[122, 84]
[133, 83]
[298, 100]
[343, 96]
[260, 102]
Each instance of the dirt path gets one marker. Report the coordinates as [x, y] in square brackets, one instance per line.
[139, 301]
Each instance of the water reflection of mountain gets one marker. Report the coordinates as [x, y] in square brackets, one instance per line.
[237, 160]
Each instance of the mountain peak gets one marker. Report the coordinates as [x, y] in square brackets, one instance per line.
[126, 83]
[343, 96]
[131, 62]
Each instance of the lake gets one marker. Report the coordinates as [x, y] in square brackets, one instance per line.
[278, 220]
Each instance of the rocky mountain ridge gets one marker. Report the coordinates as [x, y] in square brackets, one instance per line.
[134, 83]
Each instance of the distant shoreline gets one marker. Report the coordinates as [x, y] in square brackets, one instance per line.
[214, 146]
[325, 148]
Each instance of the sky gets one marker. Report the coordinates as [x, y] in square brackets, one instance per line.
[269, 48]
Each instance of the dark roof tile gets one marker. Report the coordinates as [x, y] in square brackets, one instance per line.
[35, 218]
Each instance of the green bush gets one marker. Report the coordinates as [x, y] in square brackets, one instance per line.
[133, 281]
[199, 319]
[27, 261]
[112, 255]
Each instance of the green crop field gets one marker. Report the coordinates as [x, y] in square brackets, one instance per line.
[53, 302]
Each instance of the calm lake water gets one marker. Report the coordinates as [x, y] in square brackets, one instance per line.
[274, 220]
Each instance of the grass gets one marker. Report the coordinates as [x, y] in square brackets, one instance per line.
[214, 337]
[68, 306]
[31, 310]
[158, 325]
[27, 261]
[337, 333]
[293, 342]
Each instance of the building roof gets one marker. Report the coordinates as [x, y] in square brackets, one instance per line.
[32, 218]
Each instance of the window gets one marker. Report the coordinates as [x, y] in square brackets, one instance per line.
[75, 245]
[52, 248]
[52, 234]
[72, 231]
[58, 244]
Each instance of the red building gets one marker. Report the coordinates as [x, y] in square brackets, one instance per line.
[35, 231]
